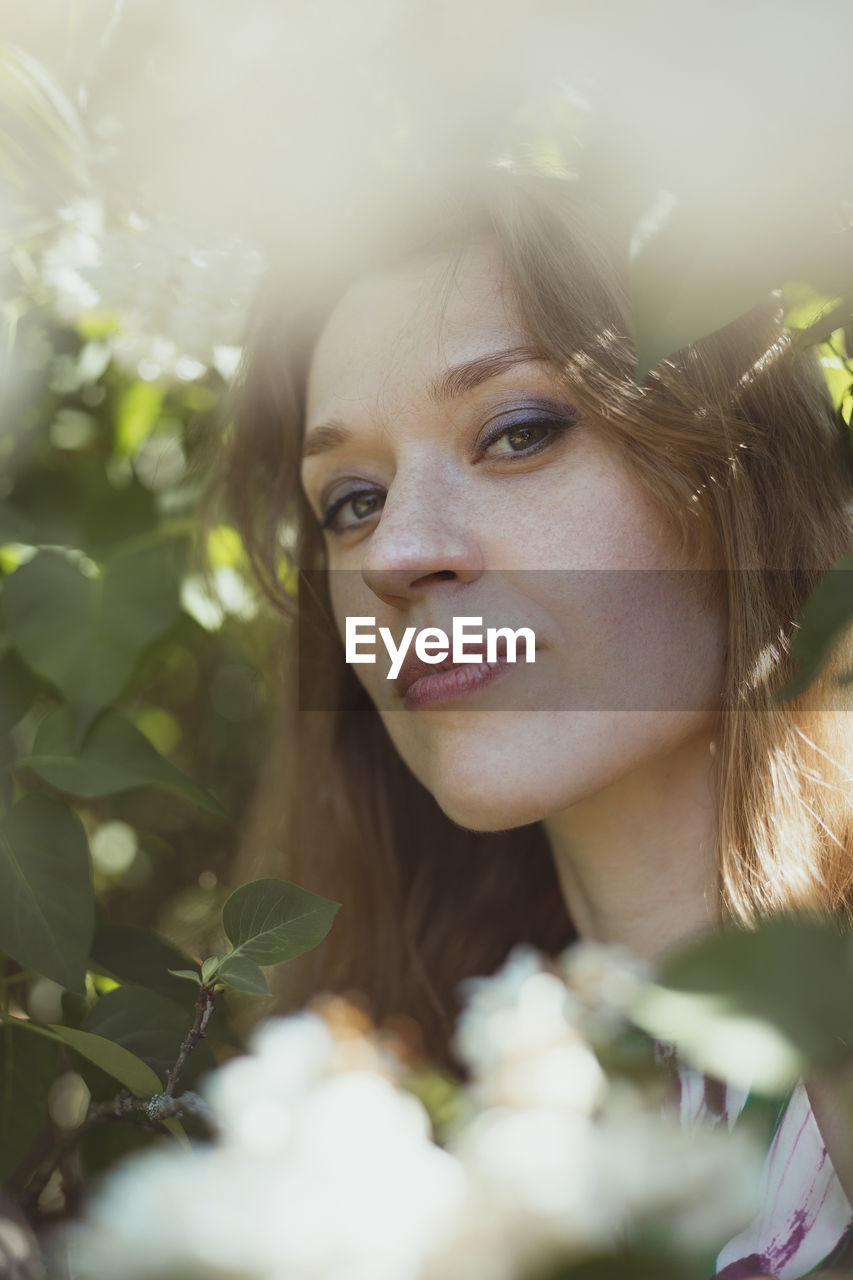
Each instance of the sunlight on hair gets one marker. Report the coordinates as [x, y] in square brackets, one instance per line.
[766, 359]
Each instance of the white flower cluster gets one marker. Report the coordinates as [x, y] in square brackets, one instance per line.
[176, 308]
[560, 1160]
[326, 1169]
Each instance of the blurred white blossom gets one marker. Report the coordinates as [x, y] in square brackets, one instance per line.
[325, 1166]
[605, 978]
[173, 306]
[534, 1194]
[518, 1035]
[75, 250]
[701, 1180]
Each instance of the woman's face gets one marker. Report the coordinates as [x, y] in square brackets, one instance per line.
[457, 478]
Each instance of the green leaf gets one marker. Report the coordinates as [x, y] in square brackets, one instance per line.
[86, 634]
[634, 1265]
[27, 1071]
[825, 617]
[14, 527]
[191, 975]
[665, 325]
[757, 1007]
[243, 975]
[138, 958]
[18, 688]
[7, 761]
[209, 968]
[142, 959]
[78, 507]
[804, 306]
[115, 1059]
[109, 516]
[114, 756]
[138, 412]
[46, 897]
[694, 275]
[271, 921]
[104, 1145]
[151, 1027]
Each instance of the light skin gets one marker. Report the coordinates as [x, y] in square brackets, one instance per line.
[459, 478]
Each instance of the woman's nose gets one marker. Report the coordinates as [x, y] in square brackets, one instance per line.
[422, 536]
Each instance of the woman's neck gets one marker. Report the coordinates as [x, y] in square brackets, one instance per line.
[637, 861]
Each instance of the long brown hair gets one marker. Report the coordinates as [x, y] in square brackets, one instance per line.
[735, 438]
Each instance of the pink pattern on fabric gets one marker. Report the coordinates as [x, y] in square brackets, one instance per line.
[805, 1212]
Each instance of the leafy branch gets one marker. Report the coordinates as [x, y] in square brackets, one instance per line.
[267, 920]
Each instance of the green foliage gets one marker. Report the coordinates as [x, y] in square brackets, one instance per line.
[27, 1070]
[46, 899]
[635, 1264]
[679, 290]
[270, 922]
[243, 974]
[115, 1059]
[98, 660]
[139, 408]
[824, 620]
[138, 958]
[105, 622]
[150, 1026]
[759, 1007]
[113, 756]
[190, 974]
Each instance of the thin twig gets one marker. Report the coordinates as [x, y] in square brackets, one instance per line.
[146, 1113]
[204, 1006]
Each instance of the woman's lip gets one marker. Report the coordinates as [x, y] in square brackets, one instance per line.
[453, 682]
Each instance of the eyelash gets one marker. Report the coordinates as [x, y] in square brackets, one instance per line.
[557, 428]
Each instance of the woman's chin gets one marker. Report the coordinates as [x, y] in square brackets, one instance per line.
[489, 808]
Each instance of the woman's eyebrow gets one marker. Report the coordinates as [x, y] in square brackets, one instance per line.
[455, 381]
[464, 377]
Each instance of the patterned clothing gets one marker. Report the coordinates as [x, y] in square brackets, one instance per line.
[806, 1220]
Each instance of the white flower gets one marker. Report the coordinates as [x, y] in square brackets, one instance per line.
[535, 1195]
[75, 250]
[325, 1171]
[175, 304]
[253, 1096]
[606, 979]
[701, 1182]
[517, 1033]
[324, 1167]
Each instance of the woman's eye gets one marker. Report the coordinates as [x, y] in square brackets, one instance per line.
[522, 438]
[363, 504]
[515, 439]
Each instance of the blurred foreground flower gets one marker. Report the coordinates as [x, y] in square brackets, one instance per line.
[326, 1169]
[170, 307]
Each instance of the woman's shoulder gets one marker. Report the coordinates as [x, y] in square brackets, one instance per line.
[805, 1222]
